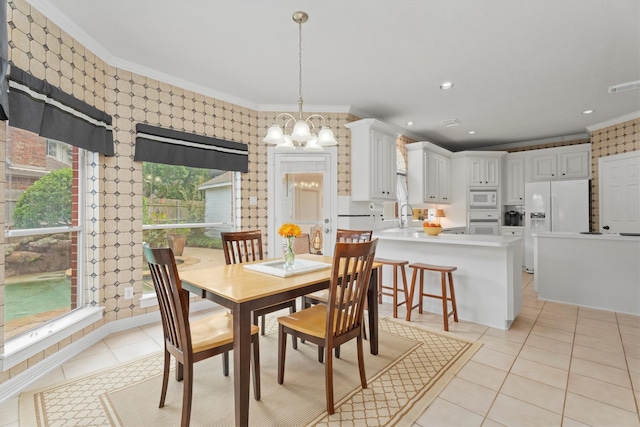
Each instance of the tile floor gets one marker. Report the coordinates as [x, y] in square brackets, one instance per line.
[558, 365]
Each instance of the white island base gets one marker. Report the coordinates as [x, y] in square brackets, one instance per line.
[487, 283]
[590, 270]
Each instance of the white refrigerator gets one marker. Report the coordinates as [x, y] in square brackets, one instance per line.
[554, 206]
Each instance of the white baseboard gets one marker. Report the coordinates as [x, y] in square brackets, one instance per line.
[15, 385]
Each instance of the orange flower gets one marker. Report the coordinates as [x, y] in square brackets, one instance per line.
[289, 230]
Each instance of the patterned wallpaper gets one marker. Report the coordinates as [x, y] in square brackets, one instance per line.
[41, 48]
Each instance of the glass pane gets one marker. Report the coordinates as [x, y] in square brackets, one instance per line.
[180, 195]
[40, 271]
[302, 204]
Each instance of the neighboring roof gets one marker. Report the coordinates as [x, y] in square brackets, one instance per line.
[222, 180]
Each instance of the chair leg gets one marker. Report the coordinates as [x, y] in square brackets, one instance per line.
[337, 352]
[411, 292]
[363, 375]
[445, 310]
[421, 291]
[294, 339]
[453, 298]
[380, 285]
[255, 364]
[225, 363]
[165, 378]
[395, 292]
[320, 354]
[263, 325]
[187, 394]
[282, 350]
[328, 374]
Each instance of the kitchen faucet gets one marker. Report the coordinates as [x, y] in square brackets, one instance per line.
[404, 223]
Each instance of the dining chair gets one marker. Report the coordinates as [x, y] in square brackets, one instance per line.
[340, 320]
[343, 235]
[302, 244]
[246, 246]
[190, 341]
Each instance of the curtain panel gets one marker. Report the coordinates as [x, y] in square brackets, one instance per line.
[159, 145]
[4, 61]
[46, 110]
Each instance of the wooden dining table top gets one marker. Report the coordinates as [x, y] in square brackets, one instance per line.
[238, 284]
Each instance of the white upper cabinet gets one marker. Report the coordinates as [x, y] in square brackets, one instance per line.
[514, 179]
[428, 173]
[484, 170]
[570, 162]
[373, 160]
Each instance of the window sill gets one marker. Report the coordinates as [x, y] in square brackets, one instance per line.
[148, 299]
[22, 347]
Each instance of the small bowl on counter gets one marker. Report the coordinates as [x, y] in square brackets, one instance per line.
[432, 231]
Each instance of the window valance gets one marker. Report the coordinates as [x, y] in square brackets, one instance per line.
[38, 107]
[4, 61]
[159, 145]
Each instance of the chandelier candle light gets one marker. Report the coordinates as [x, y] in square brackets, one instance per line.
[302, 129]
[289, 232]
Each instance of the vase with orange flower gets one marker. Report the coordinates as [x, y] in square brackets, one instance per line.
[289, 232]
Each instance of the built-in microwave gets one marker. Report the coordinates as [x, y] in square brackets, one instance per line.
[482, 198]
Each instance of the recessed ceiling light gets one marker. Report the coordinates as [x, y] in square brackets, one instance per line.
[471, 132]
[588, 111]
[446, 85]
[409, 123]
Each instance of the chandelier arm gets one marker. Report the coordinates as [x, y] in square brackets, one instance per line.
[324, 122]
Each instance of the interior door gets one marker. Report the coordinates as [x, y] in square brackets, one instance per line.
[619, 182]
[302, 190]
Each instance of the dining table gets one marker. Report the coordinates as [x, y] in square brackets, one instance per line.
[243, 290]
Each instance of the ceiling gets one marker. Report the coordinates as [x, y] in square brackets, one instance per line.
[522, 70]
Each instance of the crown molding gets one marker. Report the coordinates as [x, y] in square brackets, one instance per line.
[614, 121]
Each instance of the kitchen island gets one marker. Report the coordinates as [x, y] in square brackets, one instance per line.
[591, 270]
[488, 281]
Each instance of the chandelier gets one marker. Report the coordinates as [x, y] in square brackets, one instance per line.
[303, 129]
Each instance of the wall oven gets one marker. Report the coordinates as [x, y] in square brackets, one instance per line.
[484, 223]
[482, 198]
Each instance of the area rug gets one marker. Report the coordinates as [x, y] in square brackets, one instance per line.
[413, 365]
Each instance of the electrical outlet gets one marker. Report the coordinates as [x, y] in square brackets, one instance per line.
[128, 292]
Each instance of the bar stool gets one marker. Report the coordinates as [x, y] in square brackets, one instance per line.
[396, 264]
[444, 273]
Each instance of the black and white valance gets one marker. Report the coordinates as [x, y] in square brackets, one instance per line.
[154, 144]
[38, 107]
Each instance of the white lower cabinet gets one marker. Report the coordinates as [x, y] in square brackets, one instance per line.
[514, 231]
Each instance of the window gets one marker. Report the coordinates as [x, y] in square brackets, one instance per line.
[186, 208]
[42, 231]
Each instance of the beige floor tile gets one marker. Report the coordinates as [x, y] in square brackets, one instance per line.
[538, 372]
[493, 358]
[137, 350]
[568, 422]
[500, 344]
[611, 344]
[99, 347]
[595, 413]
[563, 325]
[549, 344]
[468, 395]
[600, 372]
[592, 313]
[122, 339]
[633, 363]
[490, 423]
[546, 357]
[601, 391]
[628, 320]
[560, 308]
[444, 413]
[534, 392]
[483, 375]
[86, 365]
[551, 315]
[608, 358]
[555, 334]
[596, 326]
[54, 376]
[513, 412]
[512, 334]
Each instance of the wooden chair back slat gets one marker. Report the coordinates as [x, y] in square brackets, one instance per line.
[242, 246]
[351, 271]
[172, 299]
[353, 236]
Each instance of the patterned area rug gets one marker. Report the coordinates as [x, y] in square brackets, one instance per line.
[413, 367]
